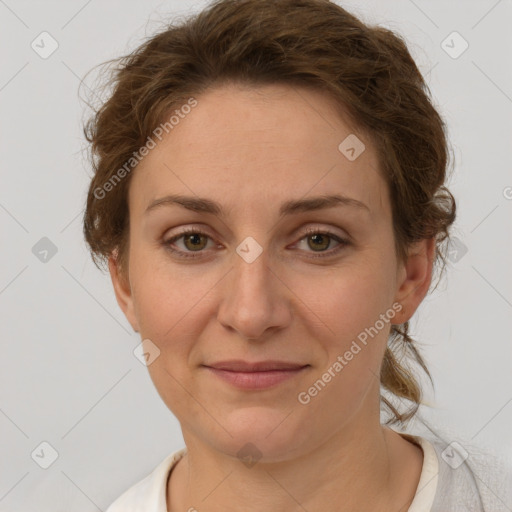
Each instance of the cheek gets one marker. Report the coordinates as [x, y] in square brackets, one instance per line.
[356, 307]
[353, 298]
[168, 309]
[165, 294]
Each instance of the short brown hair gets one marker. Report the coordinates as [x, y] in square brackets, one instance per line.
[367, 70]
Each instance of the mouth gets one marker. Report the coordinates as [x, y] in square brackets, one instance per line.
[260, 375]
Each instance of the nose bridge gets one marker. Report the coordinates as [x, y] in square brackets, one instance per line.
[252, 276]
[250, 299]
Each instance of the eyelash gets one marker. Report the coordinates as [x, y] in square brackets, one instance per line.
[310, 232]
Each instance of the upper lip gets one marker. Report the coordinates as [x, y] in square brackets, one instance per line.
[237, 365]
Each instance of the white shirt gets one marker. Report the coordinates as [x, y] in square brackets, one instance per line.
[447, 482]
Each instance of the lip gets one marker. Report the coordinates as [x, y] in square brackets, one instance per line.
[260, 375]
[238, 365]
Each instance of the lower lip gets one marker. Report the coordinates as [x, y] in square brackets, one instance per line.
[256, 380]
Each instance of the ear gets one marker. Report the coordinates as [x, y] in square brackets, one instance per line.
[414, 278]
[123, 291]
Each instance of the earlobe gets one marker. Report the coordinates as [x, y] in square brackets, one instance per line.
[415, 276]
[122, 291]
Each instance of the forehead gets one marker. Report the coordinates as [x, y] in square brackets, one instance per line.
[255, 146]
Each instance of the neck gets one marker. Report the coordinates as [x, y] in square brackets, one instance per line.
[355, 469]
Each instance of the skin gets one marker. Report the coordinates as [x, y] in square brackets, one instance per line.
[250, 149]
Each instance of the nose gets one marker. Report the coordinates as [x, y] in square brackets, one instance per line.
[255, 302]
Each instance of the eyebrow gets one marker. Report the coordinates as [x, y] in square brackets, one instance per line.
[203, 205]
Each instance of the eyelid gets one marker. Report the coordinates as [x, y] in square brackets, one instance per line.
[188, 230]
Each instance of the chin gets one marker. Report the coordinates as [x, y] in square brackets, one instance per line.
[263, 434]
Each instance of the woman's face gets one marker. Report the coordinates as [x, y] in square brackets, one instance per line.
[252, 284]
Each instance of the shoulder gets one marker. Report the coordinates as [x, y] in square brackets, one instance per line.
[469, 478]
[149, 494]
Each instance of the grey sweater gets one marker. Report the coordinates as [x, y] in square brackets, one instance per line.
[469, 478]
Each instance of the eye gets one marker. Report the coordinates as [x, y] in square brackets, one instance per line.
[321, 239]
[195, 241]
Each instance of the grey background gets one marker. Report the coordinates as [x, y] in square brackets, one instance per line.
[68, 375]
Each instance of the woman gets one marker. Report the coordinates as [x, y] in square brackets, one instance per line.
[269, 194]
